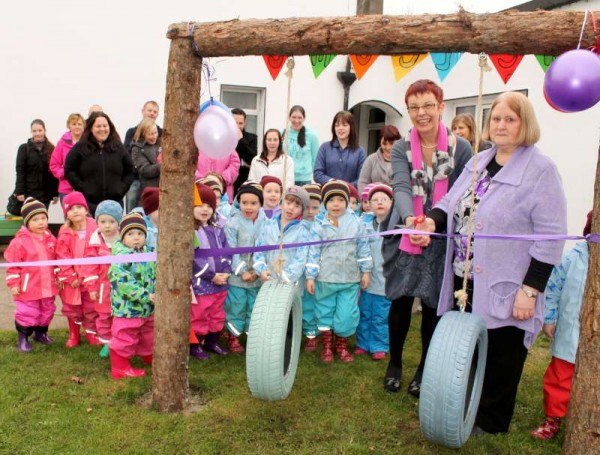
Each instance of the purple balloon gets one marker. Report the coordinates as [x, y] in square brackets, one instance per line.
[572, 82]
[215, 133]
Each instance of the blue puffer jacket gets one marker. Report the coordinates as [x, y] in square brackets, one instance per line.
[339, 262]
[294, 258]
[377, 283]
[243, 232]
[564, 295]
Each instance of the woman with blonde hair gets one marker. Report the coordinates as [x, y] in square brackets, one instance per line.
[145, 153]
[463, 125]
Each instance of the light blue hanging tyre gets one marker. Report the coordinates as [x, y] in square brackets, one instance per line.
[453, 379]
[274, 338]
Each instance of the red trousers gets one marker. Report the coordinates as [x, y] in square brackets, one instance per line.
[132, 336]
[208, 313]
[33, 313]
[84, 314]
[557, 387]
[103, 327]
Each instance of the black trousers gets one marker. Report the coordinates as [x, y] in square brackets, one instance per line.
[506, 357]
[398, 325]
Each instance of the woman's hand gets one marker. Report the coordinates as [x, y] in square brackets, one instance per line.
[421, 224]
[524, 306]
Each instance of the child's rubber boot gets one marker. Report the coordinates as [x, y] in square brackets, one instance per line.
[327, 350]
[74, 335]
[211, 343]
[104, 352]
[120, 367]
[341, 348]
[23, 343]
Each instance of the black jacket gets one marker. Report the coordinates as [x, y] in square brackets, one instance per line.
[100, 173]
[247, 148]
[33, 173]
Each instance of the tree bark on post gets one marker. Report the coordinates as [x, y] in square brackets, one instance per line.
[176, 230]
[583, 424]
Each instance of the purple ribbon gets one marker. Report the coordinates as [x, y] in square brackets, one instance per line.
[211, 252]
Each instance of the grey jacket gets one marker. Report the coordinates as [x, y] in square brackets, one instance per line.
[375, 169]
[144, 158]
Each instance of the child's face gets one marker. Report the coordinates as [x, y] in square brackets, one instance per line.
[272, 195]
[336, 206]
[38, 223]
[380, 203]
[312, 210]
[249, 205]
[77, 214]
[134, 238]
[353, 204]
[108, 226]
[365, 206]
[203, 213]
[292, 208]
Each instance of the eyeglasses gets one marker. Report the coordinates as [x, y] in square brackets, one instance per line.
[380, 200]
[427, 107]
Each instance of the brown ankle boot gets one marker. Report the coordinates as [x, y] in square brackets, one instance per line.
[341, 349]
[327, 350]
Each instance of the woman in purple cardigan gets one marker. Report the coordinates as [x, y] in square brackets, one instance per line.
[518, 191]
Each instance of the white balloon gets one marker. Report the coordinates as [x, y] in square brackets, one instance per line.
[215, 132]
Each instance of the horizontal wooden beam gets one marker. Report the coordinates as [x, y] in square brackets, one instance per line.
[510, 32]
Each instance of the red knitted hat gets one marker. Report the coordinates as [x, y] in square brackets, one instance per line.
[207, 195]
[271, 179]
[353, 192]
[74, 198]
[383, 188]
[150, 197]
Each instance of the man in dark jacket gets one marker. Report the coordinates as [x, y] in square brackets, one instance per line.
[246, 148]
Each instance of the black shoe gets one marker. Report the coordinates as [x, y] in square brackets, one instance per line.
[414, 388]
[393, 379]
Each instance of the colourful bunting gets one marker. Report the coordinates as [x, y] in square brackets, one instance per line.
[274, 64]
[403, 64]
[361, 63]
[545, 60]
[506, 64]
[444, 62]
[320, 62]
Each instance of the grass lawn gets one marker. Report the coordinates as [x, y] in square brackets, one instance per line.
[333, 409]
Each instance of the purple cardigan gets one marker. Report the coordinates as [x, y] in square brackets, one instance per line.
[525, 197]
[204, 269]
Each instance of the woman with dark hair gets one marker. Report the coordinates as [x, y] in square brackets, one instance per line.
[271, 161]
[34, 178]
[425, 165]
[98, 165]
[378, 166]
[341, 158]
[303, 146]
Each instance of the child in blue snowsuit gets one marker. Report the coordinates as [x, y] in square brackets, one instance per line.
[339, 269]
[372, 334]
[294, 231]
[242, 229]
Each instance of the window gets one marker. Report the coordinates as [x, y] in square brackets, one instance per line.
[252, 101]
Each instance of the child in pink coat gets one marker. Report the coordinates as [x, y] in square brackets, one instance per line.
[73, 242]
[33, 288]
[228, 168]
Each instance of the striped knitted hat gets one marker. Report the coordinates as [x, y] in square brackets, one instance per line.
[131, 221]
[252, 188]
[213, 182]
[364, 196]
[313, 190]
[32, 207]
[335, 188]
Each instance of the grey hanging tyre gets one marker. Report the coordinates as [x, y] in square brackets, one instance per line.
[453, 379]
[274, 339]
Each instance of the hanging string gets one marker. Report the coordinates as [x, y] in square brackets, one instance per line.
[290, 74]
[461, 295]
[582, 28]
[191, 30]
[208, 71]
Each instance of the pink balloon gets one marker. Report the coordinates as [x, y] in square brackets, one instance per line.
[215, 133]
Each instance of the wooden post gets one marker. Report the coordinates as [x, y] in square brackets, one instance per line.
[583, 423]
[176, 229]
[511, 32]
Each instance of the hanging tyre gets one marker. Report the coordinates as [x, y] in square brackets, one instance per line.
[453, 379]
[274, 339]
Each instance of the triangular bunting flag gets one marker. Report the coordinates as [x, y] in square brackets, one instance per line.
[506, 64]
[403, 64]
[320, 62]
[545, 60]
[197, 199]
[274, 64]
[444, 62]
[361, 63]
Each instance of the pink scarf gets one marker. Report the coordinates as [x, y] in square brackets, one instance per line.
[440, 186]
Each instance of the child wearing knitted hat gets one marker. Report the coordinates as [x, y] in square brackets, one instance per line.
[336, 271]
[33, 288]
[95, 276]
[353, 199]
[272, 189]
[266, 263]
[209, 279]
[372, 333]
[309, 322]
[74, 242]
[242, 229]
[150, 202]
[132, 301]
[217, 184]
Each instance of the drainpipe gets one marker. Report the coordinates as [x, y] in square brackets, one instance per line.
[347, 78]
